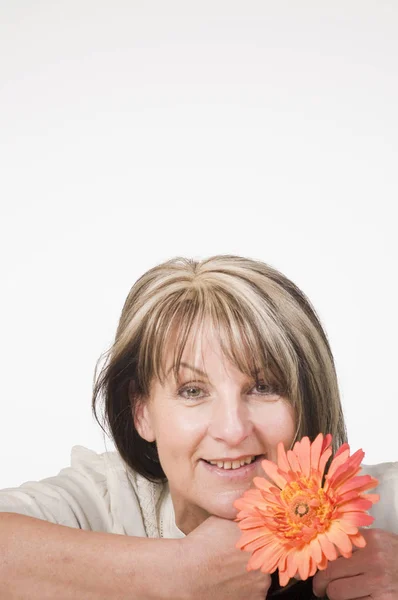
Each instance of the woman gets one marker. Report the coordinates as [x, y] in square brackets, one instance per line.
[213, 364]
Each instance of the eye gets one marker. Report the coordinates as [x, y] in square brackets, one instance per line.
[266, 389]
[191, 391]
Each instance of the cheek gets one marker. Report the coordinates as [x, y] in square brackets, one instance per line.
[184, 425]
[278, 424]
[179, 436]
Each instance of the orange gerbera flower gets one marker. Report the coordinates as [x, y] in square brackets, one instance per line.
[298, 522]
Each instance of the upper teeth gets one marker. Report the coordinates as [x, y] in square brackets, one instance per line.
[235, 464]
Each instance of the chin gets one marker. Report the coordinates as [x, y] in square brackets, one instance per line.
[226, 511]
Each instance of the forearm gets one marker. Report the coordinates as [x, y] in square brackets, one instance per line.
[42, 561]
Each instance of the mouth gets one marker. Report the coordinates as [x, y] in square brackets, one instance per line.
[234, 467]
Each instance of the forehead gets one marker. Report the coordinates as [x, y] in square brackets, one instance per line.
[202, 346]
[200, 341]
[209, 352]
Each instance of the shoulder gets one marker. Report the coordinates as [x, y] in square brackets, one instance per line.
[111, 467]
[385, 470]
[77, 496]
[94, 464]
[127, 491]
[97, 491]
[385, 511]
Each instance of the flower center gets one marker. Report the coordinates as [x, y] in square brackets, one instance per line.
[306, 511]
[301, 509]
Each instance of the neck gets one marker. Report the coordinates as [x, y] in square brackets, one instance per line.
[187, 517]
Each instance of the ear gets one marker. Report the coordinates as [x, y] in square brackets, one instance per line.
[141, 415]
[143, 421]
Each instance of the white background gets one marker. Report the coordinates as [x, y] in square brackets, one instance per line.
[135, 131]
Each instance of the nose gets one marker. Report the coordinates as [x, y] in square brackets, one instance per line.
[230, 421]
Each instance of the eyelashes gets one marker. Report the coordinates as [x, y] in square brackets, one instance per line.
[270, 390]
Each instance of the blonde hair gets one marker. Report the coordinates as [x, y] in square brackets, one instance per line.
[257, 312]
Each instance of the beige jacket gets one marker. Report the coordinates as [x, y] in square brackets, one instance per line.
[98, 492]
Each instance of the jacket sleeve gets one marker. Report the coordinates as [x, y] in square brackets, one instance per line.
[385, 511]
[76, 497]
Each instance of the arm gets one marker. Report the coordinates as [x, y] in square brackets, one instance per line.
[41, 561]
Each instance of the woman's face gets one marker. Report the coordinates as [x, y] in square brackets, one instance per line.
[213, 412]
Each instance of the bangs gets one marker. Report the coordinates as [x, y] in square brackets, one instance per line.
[264, 325]
[247, 338]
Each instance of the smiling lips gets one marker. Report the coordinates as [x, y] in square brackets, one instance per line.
[233, 463]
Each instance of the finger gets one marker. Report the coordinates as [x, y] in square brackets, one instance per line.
[354, 549]
[346, 588]
[342, 567]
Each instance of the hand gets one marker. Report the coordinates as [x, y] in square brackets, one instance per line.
[212, 567]
[371, 573]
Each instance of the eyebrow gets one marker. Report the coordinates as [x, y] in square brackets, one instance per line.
[184, 364]
[202, 373]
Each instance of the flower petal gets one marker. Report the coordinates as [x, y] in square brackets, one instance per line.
[316, 448]
[266, 558]
[283, 463]
[250, 536]
[353, 495]
[274, 473]
[322, 565]
[360, 483]
[312, 567]
[358, 540]
[358, 504]
[293, 460]
[249, 544]
[267, 513]
[324, 459]
[359, 519]
[296, 448]
[283, 577]
[339, 459]
[347, 527]
[316, 550]
[303, 562]
[372, 497]
[251, 522]
[349, 469]
[328, 548]
[262, 484]
[274, 501]
[282, 562]
[304, 456]
[291, 563]
[326, 442]
[342, 450]
[250, 501]
[339, 538]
